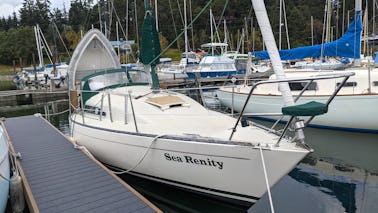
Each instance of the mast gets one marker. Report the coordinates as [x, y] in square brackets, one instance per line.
[127, 21]
[156, 17]
[358, 9]
[211, 32]
[286, 28]
[343, 25]
[38, 43]
[186, 33]
[328, 23]
[312, 30]
[280, 28]
[118, 43]
[99, 14]
[270, 43]
[225, 33]
[136, 22]
[374, 7]
[191, 20]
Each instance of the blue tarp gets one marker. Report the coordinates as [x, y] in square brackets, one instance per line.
[346, 46]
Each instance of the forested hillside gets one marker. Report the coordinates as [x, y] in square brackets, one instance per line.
[17, 36]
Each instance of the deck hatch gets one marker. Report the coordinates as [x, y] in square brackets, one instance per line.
[166, 102]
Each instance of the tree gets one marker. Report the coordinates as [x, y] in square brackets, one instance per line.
[163, 41]
[57, 17]
[78, 14]
[14, 20]
[27, 13]
[72, 38]
[33, 13]
[16, 43]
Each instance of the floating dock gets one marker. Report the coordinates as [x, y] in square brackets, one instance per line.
[60, 178]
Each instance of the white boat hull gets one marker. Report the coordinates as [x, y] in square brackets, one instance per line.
[346, 112]
[208, 167]
[4, 171]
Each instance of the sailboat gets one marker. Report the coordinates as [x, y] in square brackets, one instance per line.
[126, 121]
[189, 59]
[43, 73]
[353, 108]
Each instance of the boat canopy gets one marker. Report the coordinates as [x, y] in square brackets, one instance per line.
[346, 46]
[216, 60]
[210, 45]
[93, 53]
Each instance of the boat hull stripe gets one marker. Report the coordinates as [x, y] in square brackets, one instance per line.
[173, 137]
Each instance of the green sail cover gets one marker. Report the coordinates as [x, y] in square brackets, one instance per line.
[150, 46]
[311, 108]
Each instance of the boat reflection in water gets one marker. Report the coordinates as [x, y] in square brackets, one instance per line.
[340, 176]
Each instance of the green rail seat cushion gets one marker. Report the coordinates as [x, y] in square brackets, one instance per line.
[311, 108]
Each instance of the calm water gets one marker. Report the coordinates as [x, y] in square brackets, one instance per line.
[340, 176]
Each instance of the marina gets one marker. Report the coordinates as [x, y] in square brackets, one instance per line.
[136, 116]
[341, 175]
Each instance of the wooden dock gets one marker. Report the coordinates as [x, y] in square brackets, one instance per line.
[24, 97]
[60, 178]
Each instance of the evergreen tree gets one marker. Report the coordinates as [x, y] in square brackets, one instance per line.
[2, 24]
[15, 20]
[35, 12]
[78, 14]
[27, 13]
[43, 13]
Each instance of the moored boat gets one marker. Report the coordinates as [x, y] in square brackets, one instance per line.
[353, 109]
[215, 66]
[126, 121]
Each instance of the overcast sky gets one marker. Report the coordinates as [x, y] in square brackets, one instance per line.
[7, 7]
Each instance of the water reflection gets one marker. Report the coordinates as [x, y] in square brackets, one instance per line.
[339, 176]
[345, 148]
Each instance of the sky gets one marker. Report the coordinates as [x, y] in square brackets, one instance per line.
[7, 7]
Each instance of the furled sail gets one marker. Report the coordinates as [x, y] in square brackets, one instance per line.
[150, 45]
[346, 46]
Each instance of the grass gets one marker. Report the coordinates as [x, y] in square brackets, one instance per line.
[7, 85]
[174, 54]
[8, 70]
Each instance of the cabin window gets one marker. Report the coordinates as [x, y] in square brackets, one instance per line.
[106, 80]
[375, 83]
[204, 66]
[228, 66]
[298, 86]
[94, 110]
[348, 84]
[138, 76]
